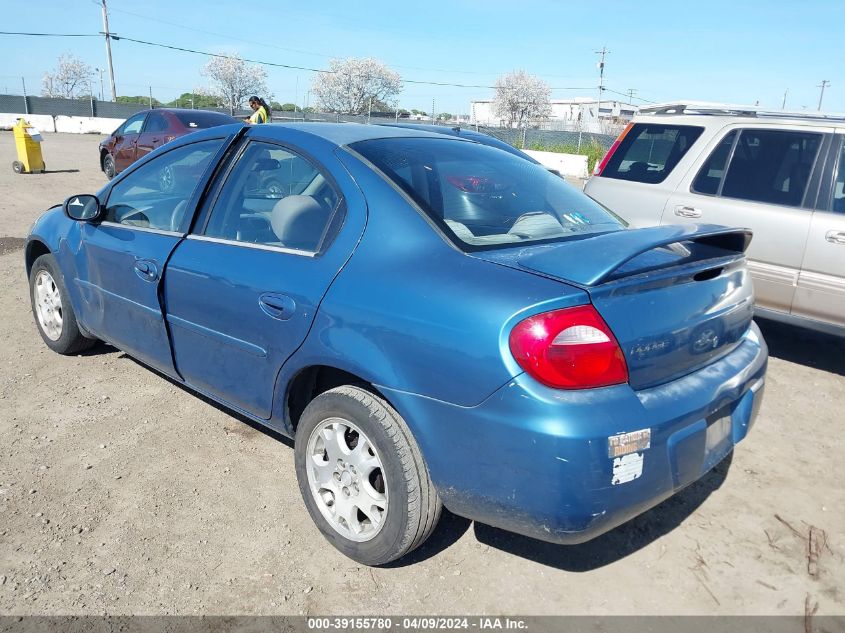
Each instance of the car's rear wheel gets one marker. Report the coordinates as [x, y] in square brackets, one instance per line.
[362, 476]
[109, 168]
[52, 309]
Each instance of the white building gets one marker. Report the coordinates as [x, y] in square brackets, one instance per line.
[567, 114]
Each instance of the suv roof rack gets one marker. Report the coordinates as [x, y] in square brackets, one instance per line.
[727, 109]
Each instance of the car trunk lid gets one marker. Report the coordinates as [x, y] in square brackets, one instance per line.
[676, 298]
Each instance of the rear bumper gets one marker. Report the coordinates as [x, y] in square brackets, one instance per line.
[535, 460]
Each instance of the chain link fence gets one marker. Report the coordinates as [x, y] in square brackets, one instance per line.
[530, 138]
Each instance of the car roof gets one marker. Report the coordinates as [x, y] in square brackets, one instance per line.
[346, 133]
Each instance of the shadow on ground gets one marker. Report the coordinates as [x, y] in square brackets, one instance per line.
[804, 347]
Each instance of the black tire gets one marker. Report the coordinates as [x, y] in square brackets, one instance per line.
[413, 505]
[109, 168]
[70, 340]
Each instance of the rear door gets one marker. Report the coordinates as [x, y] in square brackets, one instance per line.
[821, 283]
[126, 142]
[121, 261]
[242, 290]
[758, 178]
[644, 170]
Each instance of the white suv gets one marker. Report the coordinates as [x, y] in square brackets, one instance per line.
[780, 174]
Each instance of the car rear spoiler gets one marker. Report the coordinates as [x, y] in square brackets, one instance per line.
[592, 260]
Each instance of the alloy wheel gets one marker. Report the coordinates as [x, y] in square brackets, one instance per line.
[346, 479]
[48, 305]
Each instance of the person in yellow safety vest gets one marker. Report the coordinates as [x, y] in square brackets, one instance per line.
[260, 110]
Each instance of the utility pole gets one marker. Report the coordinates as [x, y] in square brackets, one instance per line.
[824, 83]
[432, 109]
[25, 100]
[783, 105]
[151, 97]
[602, 52]
[631, 92]
[108, 49]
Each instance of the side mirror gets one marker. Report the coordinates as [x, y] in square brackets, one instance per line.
[84, 207]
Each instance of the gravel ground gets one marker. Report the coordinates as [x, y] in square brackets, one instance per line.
[123, 493]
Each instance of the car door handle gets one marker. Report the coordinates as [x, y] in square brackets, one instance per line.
[687, 212]
[146, 269]
[835, 237]
[278, 306]
[156, 140]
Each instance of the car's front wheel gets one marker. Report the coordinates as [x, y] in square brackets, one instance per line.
[362, 476]
[109, 168]
[51, 307]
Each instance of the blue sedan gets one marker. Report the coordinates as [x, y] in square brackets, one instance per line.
[435, 321]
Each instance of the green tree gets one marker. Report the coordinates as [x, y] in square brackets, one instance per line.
[139, 99]
[288, 107]
[444, 116]
[194, 100]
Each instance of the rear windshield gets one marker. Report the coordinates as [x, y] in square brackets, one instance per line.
[649, 152]
[198, 120]
[484, 197]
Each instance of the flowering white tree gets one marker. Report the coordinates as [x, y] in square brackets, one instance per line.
[233, 80]
[351, 85]
[70, 79]
[521, 97]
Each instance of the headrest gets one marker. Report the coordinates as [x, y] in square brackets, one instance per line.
[298, 222]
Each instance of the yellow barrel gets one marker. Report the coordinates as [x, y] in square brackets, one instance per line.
[29, 149]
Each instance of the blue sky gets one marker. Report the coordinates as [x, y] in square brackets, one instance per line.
[728, 51]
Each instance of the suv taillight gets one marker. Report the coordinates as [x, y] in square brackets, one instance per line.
[600, 166]
[572, 348]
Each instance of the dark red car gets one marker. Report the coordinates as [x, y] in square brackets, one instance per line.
[143, 132]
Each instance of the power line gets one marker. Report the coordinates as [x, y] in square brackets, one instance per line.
[50, 34]
[279, 65]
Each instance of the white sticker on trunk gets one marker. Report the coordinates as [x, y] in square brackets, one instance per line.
[627, 468]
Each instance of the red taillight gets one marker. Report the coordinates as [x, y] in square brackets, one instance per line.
[571, 348]
[600, 166]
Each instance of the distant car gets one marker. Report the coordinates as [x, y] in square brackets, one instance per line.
[142, 133]
[781, 174]
[436, 322]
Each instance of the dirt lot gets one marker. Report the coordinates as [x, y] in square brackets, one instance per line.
[121, 492]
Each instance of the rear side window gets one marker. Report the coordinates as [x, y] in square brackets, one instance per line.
[710, 177]
[838, 203]
[198, 120]
[649, 152]
[771, 166]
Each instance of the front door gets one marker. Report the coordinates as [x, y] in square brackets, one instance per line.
[126, 143]
[242, 290]
[821, 284]
[757, 179]
[122, 259]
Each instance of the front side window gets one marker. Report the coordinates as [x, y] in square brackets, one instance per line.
[155, 195]
[771, 166]
[133, 125]
[483, 196]
[650, 151]
[276, 197]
